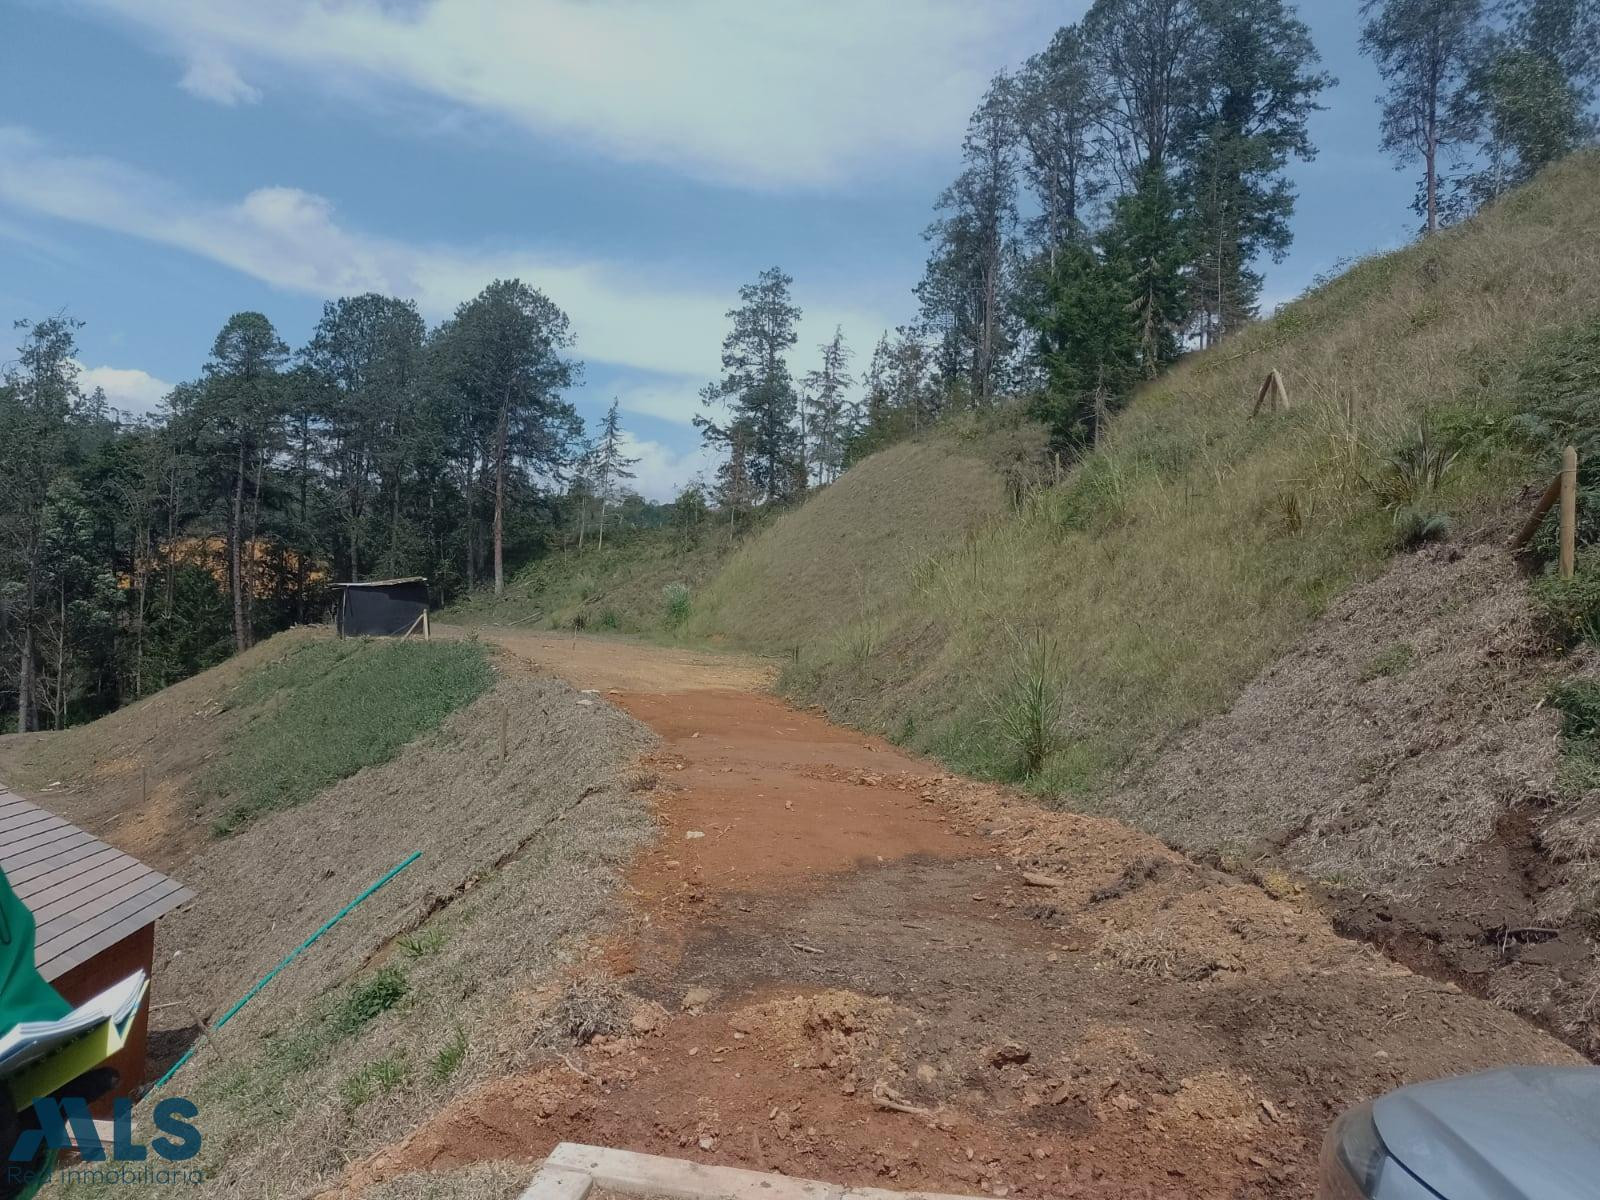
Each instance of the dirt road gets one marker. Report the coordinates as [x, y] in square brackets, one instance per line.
[846, 964]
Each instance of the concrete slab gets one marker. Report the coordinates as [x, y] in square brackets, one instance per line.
[660, 1178]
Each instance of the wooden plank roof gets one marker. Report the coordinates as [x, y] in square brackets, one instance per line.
[85, 896]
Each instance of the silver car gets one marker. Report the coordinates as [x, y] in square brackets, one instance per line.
[1523, 1133]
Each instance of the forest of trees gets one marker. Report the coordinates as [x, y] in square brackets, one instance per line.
[1117, 197]
[1119, 193]
[136, 552]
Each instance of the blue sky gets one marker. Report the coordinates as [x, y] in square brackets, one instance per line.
[164, 163]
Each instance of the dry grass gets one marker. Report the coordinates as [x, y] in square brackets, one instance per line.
[445, 977]
[481, 1181]
[1196, 544]
[820, 577]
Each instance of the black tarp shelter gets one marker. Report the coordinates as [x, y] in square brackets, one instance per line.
[383, 608]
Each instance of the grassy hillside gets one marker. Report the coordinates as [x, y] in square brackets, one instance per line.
[265, 730]
[621, 586]
[820, 573]
[950, 594]
[1197, 543]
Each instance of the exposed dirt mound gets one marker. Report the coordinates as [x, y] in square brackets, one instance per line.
[1402, 756]
[919, 981]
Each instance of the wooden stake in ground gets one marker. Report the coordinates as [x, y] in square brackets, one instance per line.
[505, 730]
[1272, 390]
[1530, 527]
[1569, 511]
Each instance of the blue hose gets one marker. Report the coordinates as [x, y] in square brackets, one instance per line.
[293, 954]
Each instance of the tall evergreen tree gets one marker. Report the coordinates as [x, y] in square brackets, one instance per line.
[1146, 50]
[827, 408]
[239, 420]
[966, 290]
[500, 359]
[1254, 87]
[1086, 342]
[757, 390]
[610, 465]
[1062, 103]
[1529, 92]
[1144, 248]
[40, 405]
[1424, 50]
[366, 355]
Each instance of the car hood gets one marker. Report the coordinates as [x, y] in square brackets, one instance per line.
[1525, 1133]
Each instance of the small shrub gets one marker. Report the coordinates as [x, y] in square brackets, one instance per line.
[862, 642]
[370, 1000]
[1414, 472]
[1414, 527]
[676, 598]
[1569, 609]
[449, 1057]
[609, 619]
[1028, 710]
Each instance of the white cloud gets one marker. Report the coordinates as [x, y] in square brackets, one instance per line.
[212, 77]
[127, 388]
[292, 239]
[662, 471]
[669, 398]
[750, 94]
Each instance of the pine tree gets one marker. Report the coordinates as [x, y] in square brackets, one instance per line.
[611, 465]
[827, 407]
[1087, 344]
[1144, 249]
[1424, 50]
[757, 389]
[1254, 89]
[241, 410]
[966, 289]
[1062, 104]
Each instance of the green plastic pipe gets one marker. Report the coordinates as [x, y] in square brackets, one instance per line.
[293, 954]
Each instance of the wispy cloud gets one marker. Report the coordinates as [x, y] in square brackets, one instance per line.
[749, 94]
[293, 239]
[212, 77]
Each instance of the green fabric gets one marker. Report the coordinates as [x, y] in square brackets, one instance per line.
[24, 995]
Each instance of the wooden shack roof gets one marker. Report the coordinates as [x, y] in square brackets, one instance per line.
[85, 896]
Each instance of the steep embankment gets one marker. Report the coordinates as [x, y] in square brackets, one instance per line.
[282, 784]
[1197, 544]
[817, 579]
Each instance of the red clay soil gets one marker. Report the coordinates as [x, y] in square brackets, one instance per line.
[845, 964]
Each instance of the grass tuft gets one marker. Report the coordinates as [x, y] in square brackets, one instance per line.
[368, 1001]
[1028, 710]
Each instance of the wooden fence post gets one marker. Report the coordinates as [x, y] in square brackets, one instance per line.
[1569, 511]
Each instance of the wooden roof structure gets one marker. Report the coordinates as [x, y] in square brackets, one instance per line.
[85, 896]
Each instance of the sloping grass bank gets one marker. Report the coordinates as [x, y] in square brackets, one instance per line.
[326, 709]
[1191, 548]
